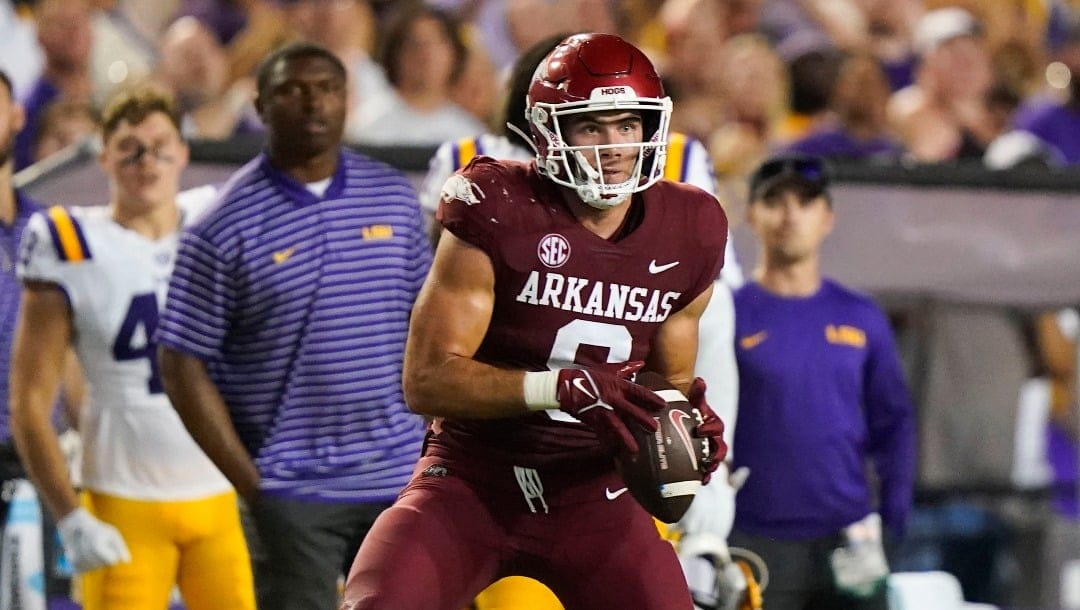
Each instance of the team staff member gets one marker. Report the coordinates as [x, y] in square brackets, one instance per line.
[156, 511]
[821, 392]
[284, 332]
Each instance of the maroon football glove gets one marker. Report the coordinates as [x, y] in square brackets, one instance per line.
[710, 428]
[608, 402]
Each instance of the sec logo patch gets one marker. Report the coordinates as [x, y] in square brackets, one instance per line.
[553, 250]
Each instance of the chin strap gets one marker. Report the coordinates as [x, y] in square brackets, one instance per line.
[591, 192]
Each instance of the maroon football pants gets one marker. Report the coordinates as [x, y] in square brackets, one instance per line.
[460, 525]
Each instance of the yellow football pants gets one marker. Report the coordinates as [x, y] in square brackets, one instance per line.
[196, 544]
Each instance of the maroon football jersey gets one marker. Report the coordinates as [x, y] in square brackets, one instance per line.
[565, 297]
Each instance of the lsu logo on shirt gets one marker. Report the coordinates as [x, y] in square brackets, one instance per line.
[842, 334]
[754, 340]
[373, 232]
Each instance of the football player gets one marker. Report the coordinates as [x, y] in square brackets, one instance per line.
[156, 512]
[552, 283]
[687, 161]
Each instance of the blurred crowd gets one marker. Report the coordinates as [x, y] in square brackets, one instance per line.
[883, 80]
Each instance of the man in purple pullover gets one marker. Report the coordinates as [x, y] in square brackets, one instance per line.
[821, 395]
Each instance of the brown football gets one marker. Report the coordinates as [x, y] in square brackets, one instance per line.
[665, 473]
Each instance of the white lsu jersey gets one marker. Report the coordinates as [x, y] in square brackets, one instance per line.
[115, 280]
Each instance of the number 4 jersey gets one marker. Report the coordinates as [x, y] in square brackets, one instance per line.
[565, 297]
[135, 445]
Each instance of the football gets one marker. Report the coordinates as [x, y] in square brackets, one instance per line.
[665, 473]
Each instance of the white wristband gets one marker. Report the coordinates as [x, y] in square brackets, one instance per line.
[540, 390]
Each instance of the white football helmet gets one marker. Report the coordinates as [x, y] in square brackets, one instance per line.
[592, 73]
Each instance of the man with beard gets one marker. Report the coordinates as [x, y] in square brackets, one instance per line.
[284, 332]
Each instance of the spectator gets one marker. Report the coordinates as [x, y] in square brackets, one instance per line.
[889, 25]
[476, 88]
[821, 392]
[694, 35]
[813, 66]
[743, 16]
[156, 512]
[857, 124]
[1057, 121]
[944, 116]
[65, 36]
[195, 67]
[64, 123]
[754, 84]
[529, 21]
[423, 55]
[501, 369]
[225, 18]
[20, 56]
[122, 54]
[248, 28]
[843, 23]
[283, 333]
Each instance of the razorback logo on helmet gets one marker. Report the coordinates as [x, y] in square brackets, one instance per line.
[460, 188]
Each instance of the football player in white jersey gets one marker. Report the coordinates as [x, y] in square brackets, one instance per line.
[155, 512]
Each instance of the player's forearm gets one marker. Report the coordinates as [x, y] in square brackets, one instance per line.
[73, 390]
[38, 357]
[461, 387]
[206, 417]
[38, 446]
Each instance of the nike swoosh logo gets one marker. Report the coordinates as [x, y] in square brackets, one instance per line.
[611, 495]
[752, 341]
[282, 255]
[579, 383]
[677, 417]
[654, 268]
